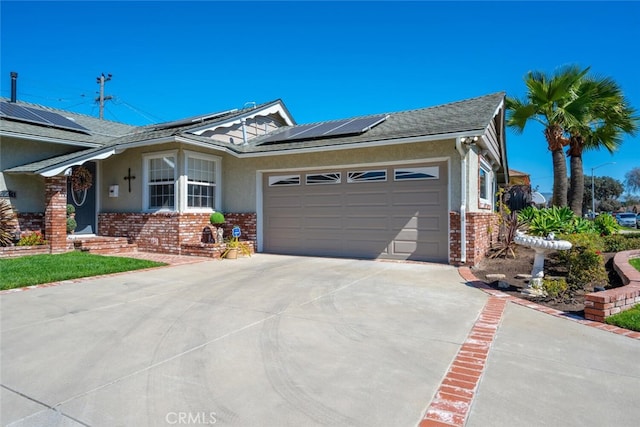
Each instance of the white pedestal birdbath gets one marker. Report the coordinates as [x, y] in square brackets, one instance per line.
[541, 245]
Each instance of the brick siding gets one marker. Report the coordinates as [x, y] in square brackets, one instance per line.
[55, 217]
[171, 232]
[31, 221]
[481, 233]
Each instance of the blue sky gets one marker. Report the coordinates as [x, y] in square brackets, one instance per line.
[325, 60]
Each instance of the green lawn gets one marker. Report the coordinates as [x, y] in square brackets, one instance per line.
[629, 319]
[635, 262]
[38, 269]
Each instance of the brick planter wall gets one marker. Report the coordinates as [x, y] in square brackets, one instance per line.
[600, 305]
[18, 251]
[172, 232]
[32, 221]
[481, 234]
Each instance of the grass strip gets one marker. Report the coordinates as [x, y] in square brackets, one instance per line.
[629, 319]
[38, 269]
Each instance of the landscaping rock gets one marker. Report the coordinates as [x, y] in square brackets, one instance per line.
[503, 285]
[523, 276]
[493, 277]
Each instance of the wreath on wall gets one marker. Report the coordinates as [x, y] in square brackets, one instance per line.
[81, 179]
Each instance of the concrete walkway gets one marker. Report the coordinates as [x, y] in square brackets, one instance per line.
[278, 340]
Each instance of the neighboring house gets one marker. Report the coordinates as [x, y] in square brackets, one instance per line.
[410, 185]
[519, 178]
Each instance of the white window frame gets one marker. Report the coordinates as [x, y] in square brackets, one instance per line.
[145, 176]
[337, 178]
[281, 180]
[488, 185]
[351, 180]
[217, 193]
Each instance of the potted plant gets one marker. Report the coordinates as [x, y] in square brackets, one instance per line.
[71, 211]
[235, 247]
[217, 218]
[71, 225]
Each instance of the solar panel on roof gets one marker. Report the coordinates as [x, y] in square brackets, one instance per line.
[57, 120]
[328, 129]
[356, 126]
[40, 117]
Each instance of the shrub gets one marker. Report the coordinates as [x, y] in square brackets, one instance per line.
[7, 223]
[605, 224]
[71, 224]
[621, 242]
[555, 287]
[542, 222]
[32, 239]
[71, 209]
[216, 218]
[584, 262]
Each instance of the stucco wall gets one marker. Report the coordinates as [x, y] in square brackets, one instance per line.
[29, 188]
[240, 175]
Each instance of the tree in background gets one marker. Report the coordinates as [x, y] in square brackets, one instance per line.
[548, 102]
[632, 180]
[607, 191]
[602, 116]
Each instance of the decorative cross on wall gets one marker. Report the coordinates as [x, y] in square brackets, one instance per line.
[129, 177]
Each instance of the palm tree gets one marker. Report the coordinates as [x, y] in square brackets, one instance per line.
[605, 116]
[549, 102]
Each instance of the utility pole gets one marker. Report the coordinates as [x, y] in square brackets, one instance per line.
[100, 100]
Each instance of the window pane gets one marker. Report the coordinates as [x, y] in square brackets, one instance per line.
[200, 196]
[483, 184]
[161, 196]
[200, 170]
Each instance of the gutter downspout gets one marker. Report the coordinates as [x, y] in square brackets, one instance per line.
[463, 200]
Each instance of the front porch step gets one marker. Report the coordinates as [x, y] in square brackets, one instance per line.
[103, 245]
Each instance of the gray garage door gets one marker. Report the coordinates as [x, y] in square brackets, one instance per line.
[392, 212]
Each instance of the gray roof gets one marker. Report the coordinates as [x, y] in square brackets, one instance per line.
[101, 131]
[467, 116]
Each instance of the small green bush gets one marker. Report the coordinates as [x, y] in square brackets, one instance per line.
[584, 262]
[71, 224]
[216, 218]
[32, 239]
[71, 209]
[621, 242]
[606, 224]
[555, 287]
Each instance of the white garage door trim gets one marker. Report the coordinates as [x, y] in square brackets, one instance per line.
[260, 174]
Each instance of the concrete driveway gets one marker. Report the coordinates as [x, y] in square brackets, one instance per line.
[292, 341]
[262, 341]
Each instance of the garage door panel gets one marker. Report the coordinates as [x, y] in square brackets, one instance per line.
[284, 222]
[366, 223]
[403, 219]
[369, 198]
[421, 223]
[409, 248]
[321, 200]
[327, 223]
[288, 201]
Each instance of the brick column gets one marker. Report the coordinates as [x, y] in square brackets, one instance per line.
[55, 216]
